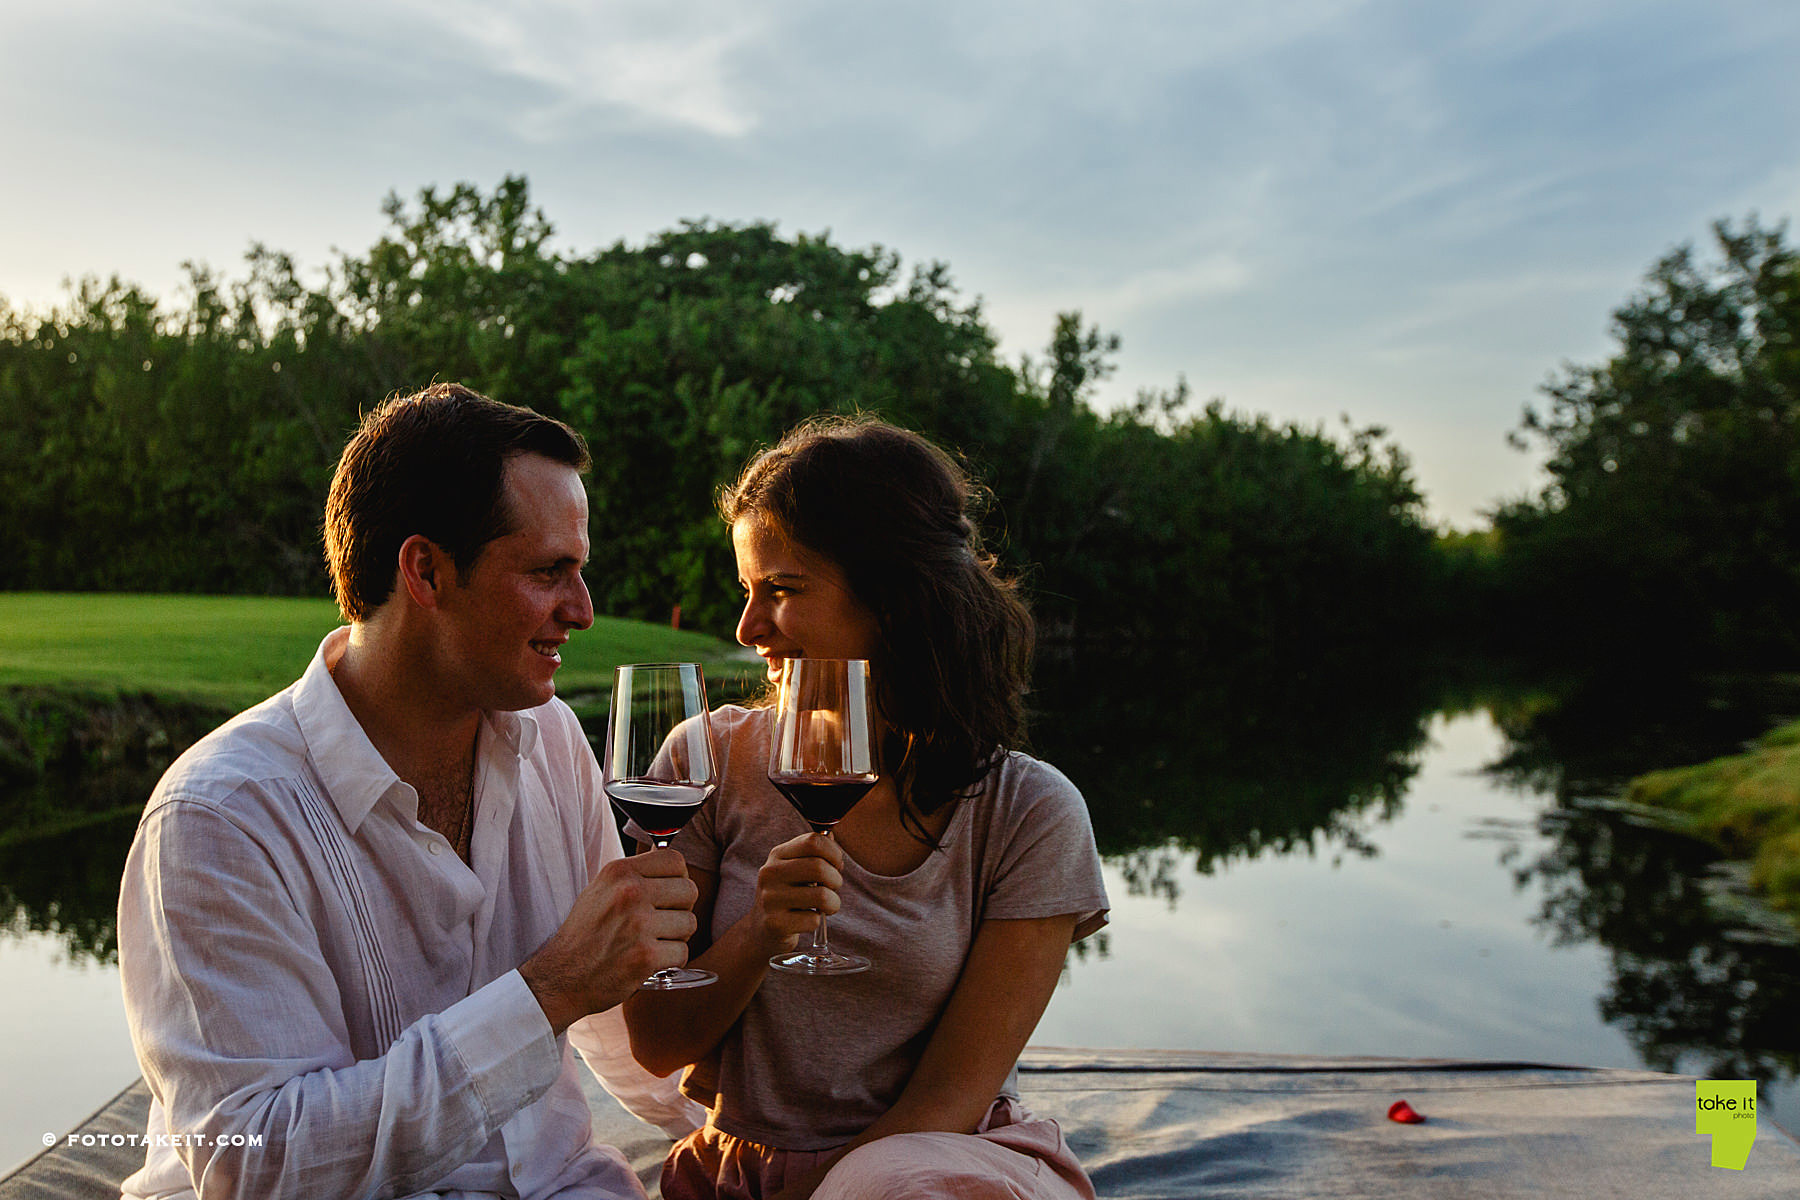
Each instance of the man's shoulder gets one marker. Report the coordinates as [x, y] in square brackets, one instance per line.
[259, 746]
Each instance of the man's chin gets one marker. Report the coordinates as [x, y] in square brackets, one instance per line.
[534, 695]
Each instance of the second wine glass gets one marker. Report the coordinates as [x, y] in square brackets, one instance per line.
[659, 764]
[822, 758]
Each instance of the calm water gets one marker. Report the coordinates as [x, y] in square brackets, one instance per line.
[1359, 861]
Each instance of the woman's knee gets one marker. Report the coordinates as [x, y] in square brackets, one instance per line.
[916, 1166]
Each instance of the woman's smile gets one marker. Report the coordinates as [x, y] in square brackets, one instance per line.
[796, 603]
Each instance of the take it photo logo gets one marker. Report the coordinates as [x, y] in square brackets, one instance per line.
[1726, 1110]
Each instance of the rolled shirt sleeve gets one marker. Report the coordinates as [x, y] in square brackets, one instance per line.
[235, 1015]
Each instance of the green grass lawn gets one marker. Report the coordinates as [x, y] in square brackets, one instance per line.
[236, 650]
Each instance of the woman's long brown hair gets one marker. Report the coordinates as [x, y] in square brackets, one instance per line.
[893, 513]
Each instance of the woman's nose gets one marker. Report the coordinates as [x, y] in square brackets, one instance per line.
[752, 622]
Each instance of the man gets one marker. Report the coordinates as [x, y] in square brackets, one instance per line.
[358, 918]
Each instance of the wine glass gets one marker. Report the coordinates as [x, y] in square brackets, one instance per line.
[822, 758]
[660, 765]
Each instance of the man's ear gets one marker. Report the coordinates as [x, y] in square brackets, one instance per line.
[424, 570]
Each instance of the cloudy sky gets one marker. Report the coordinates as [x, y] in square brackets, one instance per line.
[1407, 211]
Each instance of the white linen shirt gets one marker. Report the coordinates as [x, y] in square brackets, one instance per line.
[324, 997]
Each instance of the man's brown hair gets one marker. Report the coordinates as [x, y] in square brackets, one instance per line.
[431, 463]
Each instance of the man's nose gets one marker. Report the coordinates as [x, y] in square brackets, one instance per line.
[578, 606]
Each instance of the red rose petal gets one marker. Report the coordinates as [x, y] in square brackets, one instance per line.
[1404, 1113]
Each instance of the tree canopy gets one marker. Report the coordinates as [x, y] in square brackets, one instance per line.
[1670, 528]
[185, 444]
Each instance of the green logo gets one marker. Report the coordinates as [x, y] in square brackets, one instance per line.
[1726, 1109]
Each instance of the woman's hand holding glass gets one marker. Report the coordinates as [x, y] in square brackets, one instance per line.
[822, 757]
[796, 883]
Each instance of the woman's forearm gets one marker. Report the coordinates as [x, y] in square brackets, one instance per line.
[799, 880]
[669, 1030]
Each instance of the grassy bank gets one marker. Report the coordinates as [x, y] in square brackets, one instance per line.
[107, 689]
[1746, 804]
[232, 651]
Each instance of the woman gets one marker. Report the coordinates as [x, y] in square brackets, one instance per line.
[964, 874]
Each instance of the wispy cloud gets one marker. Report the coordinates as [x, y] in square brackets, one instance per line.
[1214, 276]
[661, 64]
[1400, 208]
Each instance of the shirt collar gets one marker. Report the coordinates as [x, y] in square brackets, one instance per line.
[355, 775]
[518, 730]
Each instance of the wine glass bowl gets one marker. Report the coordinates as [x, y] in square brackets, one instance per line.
[660, 764]
[822, 757]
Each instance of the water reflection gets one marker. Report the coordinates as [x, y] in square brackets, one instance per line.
[68, 811]
[1194, 761]
[66, 884]
[1691, 989]
[1231, 761]
[1191, 767]
[1699, 984]
[1588, 737]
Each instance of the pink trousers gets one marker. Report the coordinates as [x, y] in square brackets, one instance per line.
[1011, 1156]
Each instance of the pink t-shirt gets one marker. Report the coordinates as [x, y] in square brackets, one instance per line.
[815, 1060]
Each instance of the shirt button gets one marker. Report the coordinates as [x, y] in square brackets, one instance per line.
[437, 847]
[517, 1170]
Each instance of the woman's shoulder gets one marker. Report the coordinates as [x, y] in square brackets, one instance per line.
[742, 737]
[1022, 771]
[736, 723]
[1038, 843]
[1022, 787]
[733, 716]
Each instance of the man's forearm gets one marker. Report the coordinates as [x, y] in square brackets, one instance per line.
[389, 1125]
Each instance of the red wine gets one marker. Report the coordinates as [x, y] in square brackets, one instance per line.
[660, 809]
[823, 799]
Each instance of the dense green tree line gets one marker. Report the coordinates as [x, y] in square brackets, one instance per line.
[1670, 529]
[185, 443]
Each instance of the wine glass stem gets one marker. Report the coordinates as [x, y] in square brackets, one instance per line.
[656, 977]
[822, 946]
